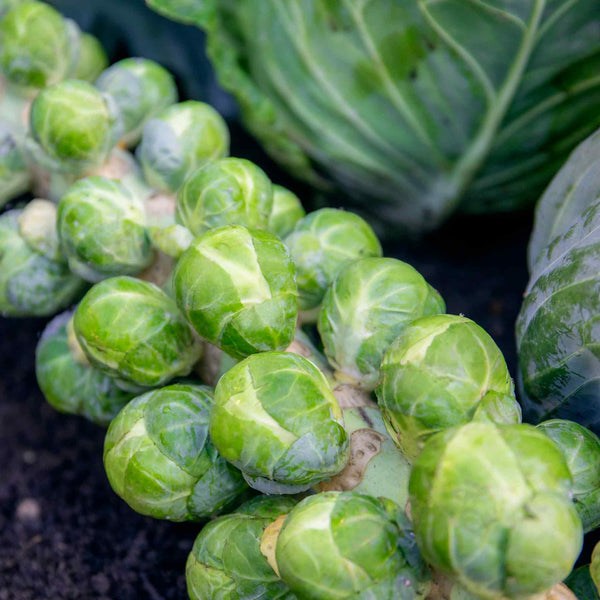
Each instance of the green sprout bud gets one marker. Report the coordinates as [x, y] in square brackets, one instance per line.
[347, 545]
[436, 374]
[236, 287]
[141, 89]
[92, 59]
[321, 244]
[226, 561]
[30, 283]
[581, 450]
[132, 330]
[102, 229]
[37, 226]
[38, 47]
[159, 458]
[230, 191]
[276, 419]
[491, 506]
[70, 386]
[286, 212]
[73, 127]
[172, 240]
[7, 5]
[370, 302]
[15, 178]
[180, 139]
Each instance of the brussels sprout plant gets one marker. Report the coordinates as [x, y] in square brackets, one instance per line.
[31, 283]
[70, 385]
[581, 451]
[441, 371]
[321, 244]
[230, 191]
[251, 274]
[368, 304]
[277, 420]
[348, 545]
[140, 88]
[102, 229]
[131, 330]
[438, 491]
[491, 507]
[159, 457]
[226, 560]
[180, 139]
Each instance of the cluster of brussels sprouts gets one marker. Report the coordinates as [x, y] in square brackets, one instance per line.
[235, 345]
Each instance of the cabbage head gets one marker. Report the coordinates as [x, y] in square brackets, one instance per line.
[414, 109]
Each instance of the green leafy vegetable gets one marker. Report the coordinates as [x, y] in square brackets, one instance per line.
[491, 506]
[557, 328]
[277, 420]
[236, 287]
[160, 460]
[226, 560]
[414, 108]
[132, 330]
[581, 451]
[70, 386]
[442, 371]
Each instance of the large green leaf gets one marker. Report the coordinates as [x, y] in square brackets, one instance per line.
[558, 329]
[424, 105]
[574, 189]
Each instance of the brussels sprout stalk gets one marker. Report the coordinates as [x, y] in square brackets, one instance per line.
[376, 466]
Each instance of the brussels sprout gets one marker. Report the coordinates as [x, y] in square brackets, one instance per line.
[102, 229]
[38, 47]
[15, 178]
[376, 467]
[286, 212]
[141, 88]
[370, 302]
[173, 240]
[321, 244]
[230, 191]
[581, 451]
[132, 330]
[436, 375]
[347, 545]
[491, 506]
[6, 5]
[236, 286]
[276, 418]
[92, 59]
[159, 458]
[180, 139]
[30, 283]
[226, 562]
[72, 387]
[37, 226]
[73, 127]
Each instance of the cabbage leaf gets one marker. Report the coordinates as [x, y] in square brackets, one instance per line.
[425, 106]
